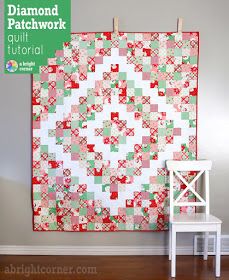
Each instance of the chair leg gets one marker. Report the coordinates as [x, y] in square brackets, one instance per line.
[170, 242]
[206, 235]
[173, 252]
[218, 251]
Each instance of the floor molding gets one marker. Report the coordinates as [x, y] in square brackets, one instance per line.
[101, 250]
[91, 250]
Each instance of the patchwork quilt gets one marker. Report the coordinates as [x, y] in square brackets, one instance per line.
[108, 110]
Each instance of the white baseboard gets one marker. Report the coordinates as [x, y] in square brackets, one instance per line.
[91, 250]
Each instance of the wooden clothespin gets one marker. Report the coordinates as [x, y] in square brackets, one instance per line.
[116, 25]
[180, 25]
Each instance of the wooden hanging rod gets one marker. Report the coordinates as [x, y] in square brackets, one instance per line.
[116, 25]
[180, 25]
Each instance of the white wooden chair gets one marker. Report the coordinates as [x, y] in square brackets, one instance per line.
[194, 222]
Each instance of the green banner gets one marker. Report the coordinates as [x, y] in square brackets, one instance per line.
[34, 30]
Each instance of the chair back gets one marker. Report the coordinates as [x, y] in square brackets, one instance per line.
[201, 168]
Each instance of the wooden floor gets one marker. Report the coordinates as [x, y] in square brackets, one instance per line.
[108, 268]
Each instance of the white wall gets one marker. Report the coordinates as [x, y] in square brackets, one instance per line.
[211, 18]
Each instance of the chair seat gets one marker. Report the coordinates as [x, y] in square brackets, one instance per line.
[194, 218]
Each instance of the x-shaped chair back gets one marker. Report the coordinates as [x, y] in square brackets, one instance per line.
[201, 167]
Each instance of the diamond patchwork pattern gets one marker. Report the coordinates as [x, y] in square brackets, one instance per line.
[108, 110]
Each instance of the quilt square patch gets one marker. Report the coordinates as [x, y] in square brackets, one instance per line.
[108, 110]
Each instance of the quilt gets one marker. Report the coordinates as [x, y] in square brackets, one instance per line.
[107, 112]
